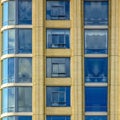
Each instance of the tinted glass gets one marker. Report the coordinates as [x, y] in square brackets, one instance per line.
[25, 12]
[96, 69]
[58, 38]
[95, 99]
[96, 13]
[58, 10]
[58, 96]
[58, 118]
[96, 118]
[96, 41]
[18, 118]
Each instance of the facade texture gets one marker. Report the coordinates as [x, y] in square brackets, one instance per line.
[60, 59]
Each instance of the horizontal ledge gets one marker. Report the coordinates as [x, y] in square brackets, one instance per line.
[95, 113]
[96, 55]
[96, 84]
[95, 27]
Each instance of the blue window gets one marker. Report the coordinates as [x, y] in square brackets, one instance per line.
[96, 99]
[58, 118]
[58, 38]
[96, 69]
[95, 117]
[58, 96]
[96, 41]
[58, 67]
[17, 41]
[17, 118]
[58, 10]
[17, 99]
[17, 12]
[17, 70]
[96, 12]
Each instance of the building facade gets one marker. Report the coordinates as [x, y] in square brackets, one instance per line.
[60, 59]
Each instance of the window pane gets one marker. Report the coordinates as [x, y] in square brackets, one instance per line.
[5, 13]
[96, 118]
[17, 118]
[96, 41]
[25, 12]
[96, 69]
[58, 118]
[58, 10]
[58, 67]
[58, 38]
[25, 41]
[58, 96]
[25, 70]
[9, 118]
[95, 99]
[96, 13]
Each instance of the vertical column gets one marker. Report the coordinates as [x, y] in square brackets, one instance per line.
[38, 60]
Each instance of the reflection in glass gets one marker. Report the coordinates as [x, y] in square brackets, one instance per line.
[96, 41]
[58, 10]
[58, 96]
[95, 117]
[96, 69]
[58, 38]
[95, 99]
[96, 13]
[17, 118]
[58, 118]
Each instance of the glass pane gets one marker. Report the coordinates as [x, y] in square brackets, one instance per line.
[58, 118]
[25, 70]
[96, 69]
[25, 41]
[95, 117]
[5, 13]
[58, 96]
[17, 118]
[24, 99]
[96, 13]
[58, 38]
[95, 99]
[25, 12]
[9, 118]
[58, 10]
[96, 41]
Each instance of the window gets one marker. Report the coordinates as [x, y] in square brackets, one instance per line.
[95, 117]
[17, 12]
[58, 10]
[96, 69]
[58, 67]
[17, 99]
[17, 118]
[58, 96]
[21, 67]
[58, 38]
[96, 12]
[96, 41]
[58, 118]
[95, 99]
[17, 41]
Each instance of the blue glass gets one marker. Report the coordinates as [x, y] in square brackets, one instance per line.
[58, 10]
[96, 99]
[58, 67]
[25, 41]
[57, 117]
[17, 99]
[96, 70]
[96, 41]
[95, 12]
[95, 117]
[25, 12]
[18, 118]
[8, 70]
[58, 96]
[5, 13]
[58, 38]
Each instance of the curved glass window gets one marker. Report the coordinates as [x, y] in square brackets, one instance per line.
[18, 118]
[17, 70]
[95, 117]
[58, 117]
[17, 41]
[96, 12]
[96, 41]
[96, 69]
[17, 99]
[13, 15]
[95, 99]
